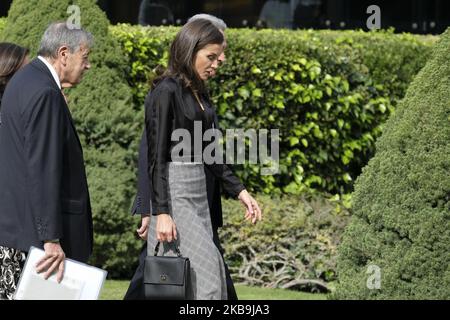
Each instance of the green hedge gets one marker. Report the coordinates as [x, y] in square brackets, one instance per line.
[336, 89]
[401, 203]
[328, 92]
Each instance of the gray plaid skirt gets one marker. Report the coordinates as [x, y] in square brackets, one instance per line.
[11, 265]
[188, 206]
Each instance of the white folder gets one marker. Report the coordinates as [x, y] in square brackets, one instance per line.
[81, 281]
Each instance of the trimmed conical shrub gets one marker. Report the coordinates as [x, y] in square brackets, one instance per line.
[105, 120]
[397, 244]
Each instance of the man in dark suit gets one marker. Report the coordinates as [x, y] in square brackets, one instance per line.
[44, 198]
[142, 201]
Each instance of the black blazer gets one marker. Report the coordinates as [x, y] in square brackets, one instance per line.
[142, 203]
[44, 192]
[171, 106]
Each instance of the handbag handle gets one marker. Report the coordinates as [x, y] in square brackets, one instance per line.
[177, 250]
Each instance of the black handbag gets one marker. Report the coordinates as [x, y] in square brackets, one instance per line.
[165, 277]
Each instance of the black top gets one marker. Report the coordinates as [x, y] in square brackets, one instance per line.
[143, 205]
[171, 106]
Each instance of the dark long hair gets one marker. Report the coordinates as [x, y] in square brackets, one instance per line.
[12, 57]
[192, 37]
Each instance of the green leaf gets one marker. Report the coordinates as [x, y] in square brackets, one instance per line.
[296, 67]
[257, 92]
[255, 70]
[293, 141]
[279, 104]
[347, 177]
[345, 85]
[317, 133]
[243, 92]
[333, 133]
[345, 160]
[305, 142]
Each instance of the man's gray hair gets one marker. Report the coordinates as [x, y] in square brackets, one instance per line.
[58, 34]
[217, 22]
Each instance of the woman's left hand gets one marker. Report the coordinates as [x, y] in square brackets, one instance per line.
[252, 210]
[143, 230]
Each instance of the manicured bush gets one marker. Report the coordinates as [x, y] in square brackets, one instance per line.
[328, 92]
[401, 221]
[106, 122]
[2, 25]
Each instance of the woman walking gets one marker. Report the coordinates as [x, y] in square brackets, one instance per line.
[12, 58]
[179, 102]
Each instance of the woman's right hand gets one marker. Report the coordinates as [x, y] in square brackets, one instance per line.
[166, 230]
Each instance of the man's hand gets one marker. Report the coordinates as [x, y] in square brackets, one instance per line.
[143, 230]
[52, 260]
[252, 210]
[166, 230]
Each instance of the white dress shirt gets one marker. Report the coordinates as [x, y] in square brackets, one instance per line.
[52, 70]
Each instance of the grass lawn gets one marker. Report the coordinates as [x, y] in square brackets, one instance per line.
[115, 290]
